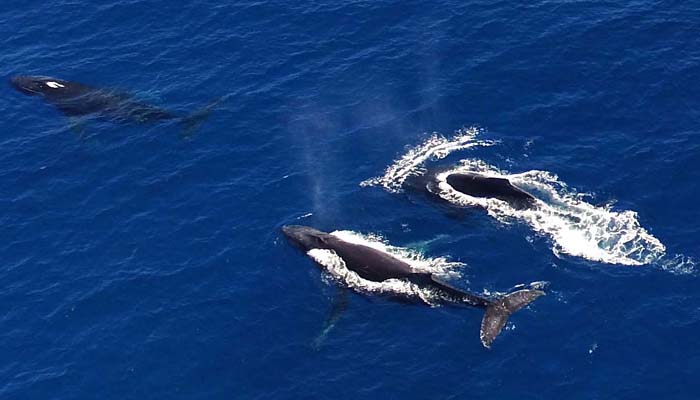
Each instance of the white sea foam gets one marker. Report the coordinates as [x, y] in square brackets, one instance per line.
[575, 227]
[434, 148]
[337, 270]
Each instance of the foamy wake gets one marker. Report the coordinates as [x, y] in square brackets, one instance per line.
[576, 228]
[337, 270]
[435, 147]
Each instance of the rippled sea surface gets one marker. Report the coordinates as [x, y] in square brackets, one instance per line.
[135, 264]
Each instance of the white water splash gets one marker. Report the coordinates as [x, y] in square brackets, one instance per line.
[435, 147]
[576, 228]
[439, 266]
[337, 270]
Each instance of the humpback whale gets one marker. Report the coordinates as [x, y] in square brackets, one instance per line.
[75, 99]
[378, 266]
[475, 185]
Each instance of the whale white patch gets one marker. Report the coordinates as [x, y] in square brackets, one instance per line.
[54, 85]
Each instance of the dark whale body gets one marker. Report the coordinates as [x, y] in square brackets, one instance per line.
[378, 266]
[75, 99]
[475, 185]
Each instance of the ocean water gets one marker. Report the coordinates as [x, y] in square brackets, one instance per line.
[135, 264]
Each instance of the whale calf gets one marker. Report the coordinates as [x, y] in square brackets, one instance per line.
[375, 265]
[75, 99]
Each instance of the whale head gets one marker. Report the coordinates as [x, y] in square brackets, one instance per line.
[304, 237]
[38, 85]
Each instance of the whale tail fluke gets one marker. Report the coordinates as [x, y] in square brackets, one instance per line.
[498, 311]
[192, 122]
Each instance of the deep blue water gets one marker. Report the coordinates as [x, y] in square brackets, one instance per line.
[138, 265]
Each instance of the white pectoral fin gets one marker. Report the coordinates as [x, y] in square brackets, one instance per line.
[78, 126]
[338, 306]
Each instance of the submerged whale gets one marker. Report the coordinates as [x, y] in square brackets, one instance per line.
[475, 185]
[75, 99]
[378, 266]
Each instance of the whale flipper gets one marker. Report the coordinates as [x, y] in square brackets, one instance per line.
[77, 125]
[498, 311]
[339, 305]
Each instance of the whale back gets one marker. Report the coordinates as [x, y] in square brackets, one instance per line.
[76, 99]
[484, 186]
[79, 99]
[369, 263]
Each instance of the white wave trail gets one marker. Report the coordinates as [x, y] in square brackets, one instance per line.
[337, 270]
[577, 228]
[434, 148]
